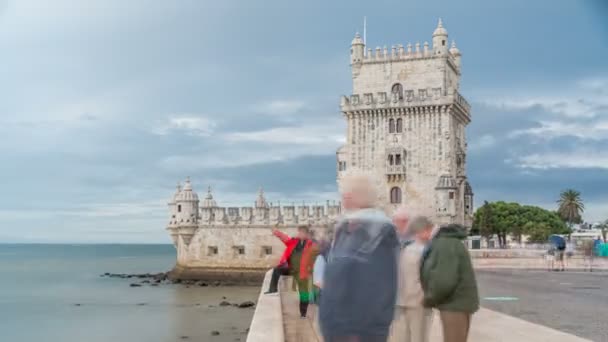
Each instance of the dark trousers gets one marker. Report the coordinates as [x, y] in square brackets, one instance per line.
[277, 272]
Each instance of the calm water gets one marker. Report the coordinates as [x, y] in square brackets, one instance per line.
[40, 285]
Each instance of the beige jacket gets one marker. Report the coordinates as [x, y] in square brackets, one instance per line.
[409, 292]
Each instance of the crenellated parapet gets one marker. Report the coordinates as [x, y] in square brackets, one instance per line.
[186, 216]
[409, 101]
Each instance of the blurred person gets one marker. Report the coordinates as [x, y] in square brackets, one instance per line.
[588, 248]
[448, 280]
[296, 261]
[360, 280]
[412, 320]
[323, 248]
[401, 219]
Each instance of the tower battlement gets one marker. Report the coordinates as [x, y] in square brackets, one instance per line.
[188, 214]
[410, 98]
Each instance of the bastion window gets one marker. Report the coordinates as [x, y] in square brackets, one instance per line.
[212, 250]
[451, 195]
[398, 159]
[239, 250]
[179, 208]
[397, 90]
[391, 126]
[396, 195]
[390, 159]
[399, 127]
[266, 250]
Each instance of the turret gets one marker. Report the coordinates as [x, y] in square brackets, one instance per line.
[445, 197]
[187, 212]
[456, 54]
[172, 226]
[357, 49]
[440, 40]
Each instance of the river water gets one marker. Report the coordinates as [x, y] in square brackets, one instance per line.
[55, 293]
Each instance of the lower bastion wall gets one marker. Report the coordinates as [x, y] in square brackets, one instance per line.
[231, 254]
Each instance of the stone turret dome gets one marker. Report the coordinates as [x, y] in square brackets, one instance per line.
[209, 202]
[440, 30]
[454, 50]
[187, 194]
[357, 40]
[446, 182]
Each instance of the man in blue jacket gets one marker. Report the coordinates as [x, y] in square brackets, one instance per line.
[360, 281]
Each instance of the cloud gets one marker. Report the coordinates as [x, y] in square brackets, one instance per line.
[483, 142]
[245, 148]
[329, 135]
[280, 107]
[578, 159]
[194, 125]
[588, 130]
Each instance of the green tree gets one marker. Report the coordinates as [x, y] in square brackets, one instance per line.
[503, 219]
[570, 206]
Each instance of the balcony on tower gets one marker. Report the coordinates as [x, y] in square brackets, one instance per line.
[395, 163]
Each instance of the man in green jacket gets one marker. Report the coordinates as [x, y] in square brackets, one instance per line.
[448, 280]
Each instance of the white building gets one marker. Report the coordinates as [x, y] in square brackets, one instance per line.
[406, 126]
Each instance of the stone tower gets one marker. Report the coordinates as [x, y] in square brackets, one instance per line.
[406, 127]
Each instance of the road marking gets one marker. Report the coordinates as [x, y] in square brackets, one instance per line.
[501, 299]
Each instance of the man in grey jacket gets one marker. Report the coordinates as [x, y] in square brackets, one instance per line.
[360, 280]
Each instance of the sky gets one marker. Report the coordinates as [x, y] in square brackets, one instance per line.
[107, 104]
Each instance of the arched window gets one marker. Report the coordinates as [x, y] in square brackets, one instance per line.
[179, 208]
[397, 89]
[399, 127]
[395, 195]
[390, 159]
[391, 125]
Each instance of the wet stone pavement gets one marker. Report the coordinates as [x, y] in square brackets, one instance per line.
[573, 302]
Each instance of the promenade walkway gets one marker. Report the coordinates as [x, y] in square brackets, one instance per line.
[277, 318]
[487, 326]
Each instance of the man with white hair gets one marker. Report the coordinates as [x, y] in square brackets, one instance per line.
[412, 320]
[360, 280]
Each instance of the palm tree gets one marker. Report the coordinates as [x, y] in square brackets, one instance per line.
[570, 206]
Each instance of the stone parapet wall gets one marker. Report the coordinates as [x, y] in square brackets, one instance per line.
[267, 323]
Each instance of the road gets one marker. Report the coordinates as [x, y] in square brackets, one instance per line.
[574, 302]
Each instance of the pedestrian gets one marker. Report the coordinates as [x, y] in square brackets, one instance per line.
[588, 253]
[360, 280]
[448, 280]
[323, 248]
[412, 320]
[296, 261]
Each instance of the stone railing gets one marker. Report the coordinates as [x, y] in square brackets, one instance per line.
[267, 322]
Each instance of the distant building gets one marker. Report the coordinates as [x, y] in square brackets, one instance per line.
[406, 128]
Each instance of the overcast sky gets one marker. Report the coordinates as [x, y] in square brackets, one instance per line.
[106, 104]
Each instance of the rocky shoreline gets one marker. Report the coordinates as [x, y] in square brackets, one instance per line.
[137, 280]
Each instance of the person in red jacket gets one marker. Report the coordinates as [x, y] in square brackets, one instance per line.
[297, 262]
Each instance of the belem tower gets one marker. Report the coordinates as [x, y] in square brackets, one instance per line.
[405, 126]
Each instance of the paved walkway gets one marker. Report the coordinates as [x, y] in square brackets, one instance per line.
[487, 326]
